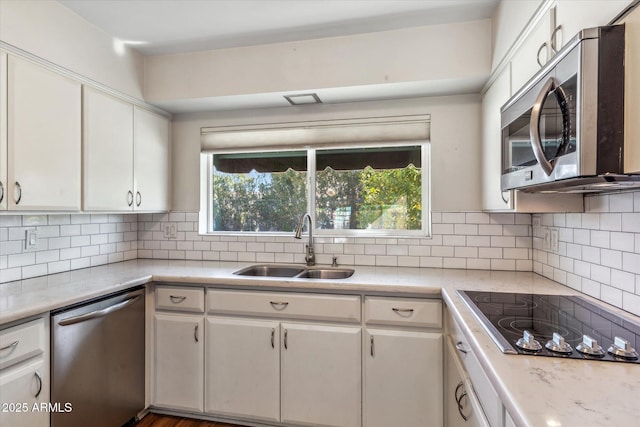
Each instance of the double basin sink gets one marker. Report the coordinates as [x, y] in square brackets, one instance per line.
[295, 271]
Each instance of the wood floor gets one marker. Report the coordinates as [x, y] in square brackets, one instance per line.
[155, 420]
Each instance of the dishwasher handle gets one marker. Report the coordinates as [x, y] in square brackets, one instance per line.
[99, 313]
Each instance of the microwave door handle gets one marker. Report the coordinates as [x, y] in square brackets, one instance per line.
[534, 127]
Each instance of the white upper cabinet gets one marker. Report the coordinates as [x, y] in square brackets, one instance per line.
[575, 15]
[43, 139]
[108, 152]
[3, 131]
[126, 156]
[499, 92]
[534, 52]
[151, 161]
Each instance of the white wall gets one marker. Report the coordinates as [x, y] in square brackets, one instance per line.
[49, 30]
[430, 53]
[455, 139]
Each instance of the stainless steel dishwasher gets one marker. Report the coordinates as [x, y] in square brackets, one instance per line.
[97, 362]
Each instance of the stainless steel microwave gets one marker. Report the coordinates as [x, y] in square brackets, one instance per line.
[564, 131]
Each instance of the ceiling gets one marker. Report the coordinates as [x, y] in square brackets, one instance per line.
[157, 27]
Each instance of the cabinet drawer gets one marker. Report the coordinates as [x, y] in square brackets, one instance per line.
[403, 311]
[285, 304]
[180, 298]
[21, 342]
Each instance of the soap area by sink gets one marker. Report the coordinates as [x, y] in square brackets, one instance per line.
[295, 271]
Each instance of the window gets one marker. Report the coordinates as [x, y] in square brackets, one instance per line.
[376, 190]
[354, 179]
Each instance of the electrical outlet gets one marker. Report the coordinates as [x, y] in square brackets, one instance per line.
[555, 240]
[170, 231]
[535, 221]
[546, 239]
[30, 239]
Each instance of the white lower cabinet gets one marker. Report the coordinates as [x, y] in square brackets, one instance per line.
[23, 390]
[179, 362]
[402, 378]
[243, 368]
[24, 374]
[296, 359]
[321, 376]
[461, 407]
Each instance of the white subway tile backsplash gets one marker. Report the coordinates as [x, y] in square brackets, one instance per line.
[631, 222]
[601, 248]
[454, 240]
[623, 280]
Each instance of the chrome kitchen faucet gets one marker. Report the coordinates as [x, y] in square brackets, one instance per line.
[310, 257]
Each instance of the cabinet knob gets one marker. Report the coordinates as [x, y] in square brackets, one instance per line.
[129, 198]
[1, 192]
[138, 199]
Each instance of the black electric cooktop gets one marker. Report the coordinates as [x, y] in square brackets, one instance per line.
[554, 325]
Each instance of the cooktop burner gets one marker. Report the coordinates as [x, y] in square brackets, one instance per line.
[554, 325]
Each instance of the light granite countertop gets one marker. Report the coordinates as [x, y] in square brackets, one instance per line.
[537, 391]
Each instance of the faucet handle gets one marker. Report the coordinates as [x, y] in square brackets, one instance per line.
[334, 261]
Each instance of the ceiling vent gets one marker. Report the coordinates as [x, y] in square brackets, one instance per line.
[303, 99]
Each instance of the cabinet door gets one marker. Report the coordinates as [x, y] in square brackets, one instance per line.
[44, 145]
[3, 131]
[461, 407]
[321, 375]
[179, 362]
[574, 15]
[525, 62]
[108, 152]
[26, 388]
[243, 368]
[454, 391]
[151, 156]
[494, 98]
[402, 378]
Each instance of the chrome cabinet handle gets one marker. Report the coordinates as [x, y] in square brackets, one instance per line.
[129, 198]
[273, 337]
[195, 333]
[285, 340]
[504, 199]
[534, 126]
[458, 387]
[553, 46]
[18, 197]
[460, 407]
[10, 346]
[542, 46]
[177, 299]
[279, 305]
[39, 378]
[138, 198]
[1, 191]
[460, 347]
[459, 399]
[373, 353]
[99, 313]
[403, 310]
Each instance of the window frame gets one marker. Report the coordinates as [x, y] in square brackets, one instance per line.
[206, 192]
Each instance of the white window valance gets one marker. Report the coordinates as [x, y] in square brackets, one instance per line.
[387, 130]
